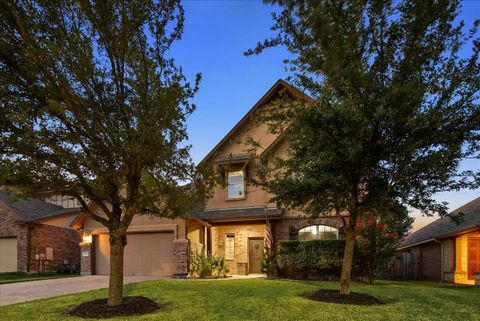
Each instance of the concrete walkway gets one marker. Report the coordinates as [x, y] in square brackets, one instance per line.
[32, 290]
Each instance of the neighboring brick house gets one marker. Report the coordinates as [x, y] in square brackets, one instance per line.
[35, 236]
[233, 223]
[443, 250]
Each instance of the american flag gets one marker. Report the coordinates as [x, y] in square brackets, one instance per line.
[268, 236]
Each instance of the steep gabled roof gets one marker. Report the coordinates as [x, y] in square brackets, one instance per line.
[444, 227]
[31, 209]
[278, 86]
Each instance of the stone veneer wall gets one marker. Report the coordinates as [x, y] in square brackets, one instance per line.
[242, 233]
[180, 257]
[87, 259]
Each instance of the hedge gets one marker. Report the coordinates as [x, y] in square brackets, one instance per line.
[319, 258]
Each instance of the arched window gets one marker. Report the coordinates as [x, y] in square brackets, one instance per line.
[318, 232]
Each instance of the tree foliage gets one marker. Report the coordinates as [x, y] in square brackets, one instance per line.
[314, 257]
[395, 87]
[377, 242]
[92, 106]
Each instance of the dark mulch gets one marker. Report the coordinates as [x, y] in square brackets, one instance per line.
[334, 296]
[98, 309]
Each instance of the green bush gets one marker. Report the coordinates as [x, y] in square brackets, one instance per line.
[306, 258]
[268, 265]
[204, 265]
[219, 268]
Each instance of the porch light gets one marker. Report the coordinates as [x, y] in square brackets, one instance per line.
[87, 239]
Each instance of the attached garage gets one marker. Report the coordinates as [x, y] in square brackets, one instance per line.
[8, 254]
[148, 254]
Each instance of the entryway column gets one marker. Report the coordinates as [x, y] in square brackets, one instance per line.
[180, 258]
[87, 259]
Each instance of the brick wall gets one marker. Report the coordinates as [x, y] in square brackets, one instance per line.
[8, 227]
[23, 247]
[449, 260]
[431, 261]
[63, 241]
[287, 229]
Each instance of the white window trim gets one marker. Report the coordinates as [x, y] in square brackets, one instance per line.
[244, 196]
[337, 231]
[231, 254]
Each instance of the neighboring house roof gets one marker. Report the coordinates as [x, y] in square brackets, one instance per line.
[279, 85]
[445, 227]
[259, 212]
[30, 209]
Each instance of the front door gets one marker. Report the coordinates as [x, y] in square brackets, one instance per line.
[473, 257]
[255, 255]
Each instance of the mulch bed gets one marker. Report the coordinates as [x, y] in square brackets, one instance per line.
[334, 296]
[98, 309]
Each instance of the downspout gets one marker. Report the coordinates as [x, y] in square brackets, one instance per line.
[441, 258]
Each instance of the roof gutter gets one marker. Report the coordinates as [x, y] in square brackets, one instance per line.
[415, 244]
[199, 221]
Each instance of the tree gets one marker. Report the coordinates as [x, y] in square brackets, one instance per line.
[91, 106]
[377, 241]
[395, 87]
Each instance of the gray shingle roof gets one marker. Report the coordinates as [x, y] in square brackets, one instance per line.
[33, 209]
[240, 213]
[445, 226]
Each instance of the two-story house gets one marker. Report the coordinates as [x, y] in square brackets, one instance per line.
[233, 223]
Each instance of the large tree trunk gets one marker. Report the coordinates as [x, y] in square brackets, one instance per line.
[115, 288]
[346, 277]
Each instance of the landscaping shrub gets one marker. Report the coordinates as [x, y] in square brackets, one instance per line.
[203, 265]
[268, 265]
[305, 259]
[376, 245]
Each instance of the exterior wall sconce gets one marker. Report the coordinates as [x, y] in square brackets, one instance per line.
[87, 239]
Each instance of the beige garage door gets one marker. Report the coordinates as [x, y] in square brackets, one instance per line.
[8, 254]
[145, 254]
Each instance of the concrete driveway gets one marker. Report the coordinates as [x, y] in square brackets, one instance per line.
[27, 291]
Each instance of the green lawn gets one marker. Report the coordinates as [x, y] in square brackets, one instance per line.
[12, 277]
[261, 300]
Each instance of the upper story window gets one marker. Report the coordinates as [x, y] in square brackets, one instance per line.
[318, 232]
[236, 184]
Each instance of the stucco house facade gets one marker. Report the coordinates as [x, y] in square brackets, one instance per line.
[233, 222]
[444, 250]
[35, 236]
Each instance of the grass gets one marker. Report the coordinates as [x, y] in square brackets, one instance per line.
[271, 300]
[13, 277]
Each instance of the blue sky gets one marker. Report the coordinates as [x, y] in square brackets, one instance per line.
[216, 35]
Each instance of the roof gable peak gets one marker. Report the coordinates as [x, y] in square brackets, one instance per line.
[279, 85]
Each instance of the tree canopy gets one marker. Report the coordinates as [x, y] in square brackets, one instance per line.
[395, 109]
[92, 106]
